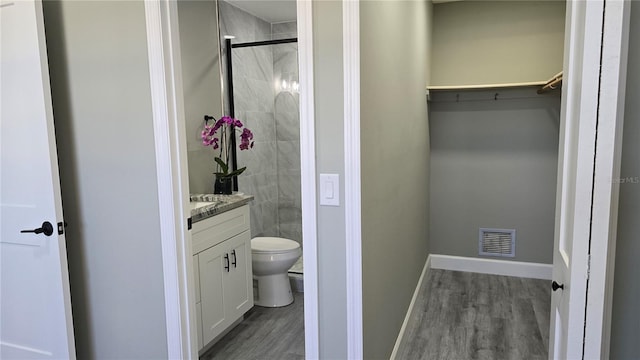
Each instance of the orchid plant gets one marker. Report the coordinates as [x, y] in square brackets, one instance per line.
[218, 137]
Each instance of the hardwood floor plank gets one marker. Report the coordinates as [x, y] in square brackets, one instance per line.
[265, 333]
[478, 316]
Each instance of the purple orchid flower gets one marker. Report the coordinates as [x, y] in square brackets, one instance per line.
[210, 137]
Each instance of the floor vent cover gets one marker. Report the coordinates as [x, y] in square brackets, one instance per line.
[497, 242]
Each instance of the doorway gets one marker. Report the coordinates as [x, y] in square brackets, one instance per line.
[163, 33]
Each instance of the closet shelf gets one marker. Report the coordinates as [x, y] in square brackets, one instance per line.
[552, 84]
[485, 86]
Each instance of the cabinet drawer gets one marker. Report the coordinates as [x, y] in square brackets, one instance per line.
[212, 231]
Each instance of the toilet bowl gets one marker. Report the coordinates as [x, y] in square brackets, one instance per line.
[271, 258]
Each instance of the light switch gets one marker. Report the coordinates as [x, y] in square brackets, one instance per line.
[330, 189]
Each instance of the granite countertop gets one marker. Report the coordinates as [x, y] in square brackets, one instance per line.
[207, 205]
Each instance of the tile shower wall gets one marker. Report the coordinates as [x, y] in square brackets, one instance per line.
[253, 95]
[285, 71]
[271, 112]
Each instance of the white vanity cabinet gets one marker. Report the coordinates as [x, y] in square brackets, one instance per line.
[223, 276]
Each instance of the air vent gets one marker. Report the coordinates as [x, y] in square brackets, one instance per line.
[497, 242]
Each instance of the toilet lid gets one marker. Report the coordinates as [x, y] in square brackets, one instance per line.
[272, 245]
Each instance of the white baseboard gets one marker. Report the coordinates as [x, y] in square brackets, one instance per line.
[492, 266]
[425, 271]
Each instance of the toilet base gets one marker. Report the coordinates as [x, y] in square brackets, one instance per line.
[272, 290]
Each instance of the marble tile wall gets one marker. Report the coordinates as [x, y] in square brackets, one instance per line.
[253, 93]
[284, 30]
[271, 112]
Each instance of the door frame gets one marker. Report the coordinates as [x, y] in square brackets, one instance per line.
[604, 217]
[352, 180]
[308, 174]
[172, 175]
[171, 161]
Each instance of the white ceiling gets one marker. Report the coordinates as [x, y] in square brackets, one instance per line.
[272, 11]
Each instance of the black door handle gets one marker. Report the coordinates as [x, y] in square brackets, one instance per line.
[226, 259]
[233, 252]
[46, 229]
[555, 286]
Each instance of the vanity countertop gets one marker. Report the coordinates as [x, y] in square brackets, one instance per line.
[207, 205]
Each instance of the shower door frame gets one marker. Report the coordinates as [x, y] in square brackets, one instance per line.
[163, 43]
[232, 106]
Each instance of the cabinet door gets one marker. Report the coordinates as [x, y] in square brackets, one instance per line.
[238, 282]
[199, 324]
[196, 277]
[212, 264]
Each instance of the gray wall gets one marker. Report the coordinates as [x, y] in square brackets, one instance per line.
[102, 108]
[329, 122]
[489, 42]
[625, 325]
[429, 39]
[200, 56]
[395, 165]
[493, 164]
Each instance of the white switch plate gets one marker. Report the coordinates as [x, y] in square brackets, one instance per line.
[330, 189]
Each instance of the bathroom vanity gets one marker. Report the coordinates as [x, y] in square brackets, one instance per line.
[221, 244]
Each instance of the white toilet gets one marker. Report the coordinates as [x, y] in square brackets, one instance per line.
[271, 258]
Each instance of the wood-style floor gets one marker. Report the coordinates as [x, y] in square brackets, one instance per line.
[265, 333]
[463, 315]
[458, 316]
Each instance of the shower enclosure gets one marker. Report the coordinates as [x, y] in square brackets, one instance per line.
[260, 65]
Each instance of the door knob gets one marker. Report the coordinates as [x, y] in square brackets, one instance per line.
[555, 286]
[46, 229]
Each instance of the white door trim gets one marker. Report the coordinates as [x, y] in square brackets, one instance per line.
[171, 163]
[604, 216]
[308, 178]
[351, 64]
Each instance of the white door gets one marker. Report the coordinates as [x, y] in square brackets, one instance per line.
[35, 303]
[580, 220]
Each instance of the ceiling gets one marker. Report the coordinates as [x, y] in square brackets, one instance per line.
[272, 11]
